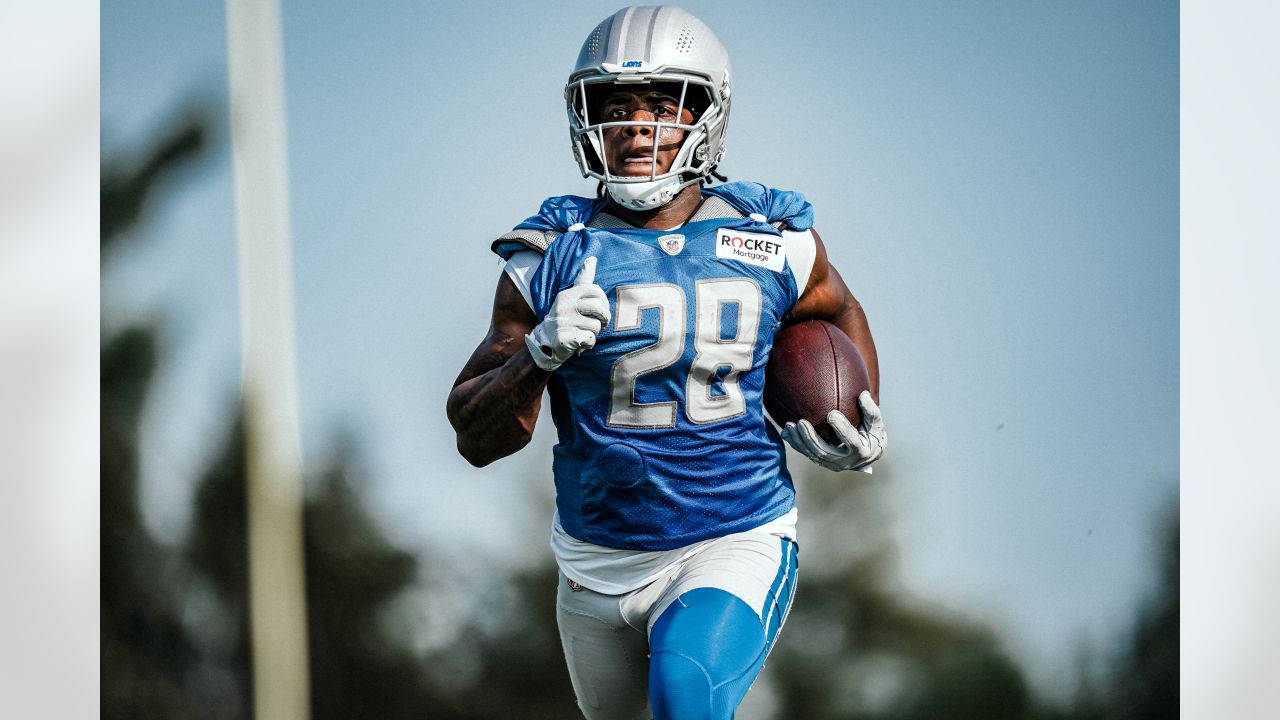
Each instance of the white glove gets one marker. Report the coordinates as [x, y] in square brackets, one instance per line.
[859, 447]
[576, 316]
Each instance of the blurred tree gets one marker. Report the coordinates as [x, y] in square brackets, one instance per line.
[145, 653]
[1143, 683]
[517, 669]
[357, 668]
[127, 185]
[856, 647]
[174, 623]
[1150, 676]
[216, 552]
[352, 573]
[144, 650]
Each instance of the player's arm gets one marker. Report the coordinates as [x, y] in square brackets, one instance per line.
[495, 400]
[826, 297]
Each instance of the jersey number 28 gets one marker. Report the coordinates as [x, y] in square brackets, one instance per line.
[713, 351]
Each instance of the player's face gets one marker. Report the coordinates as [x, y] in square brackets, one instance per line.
[629, 150]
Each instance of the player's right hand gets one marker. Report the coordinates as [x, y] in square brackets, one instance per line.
[577, 315]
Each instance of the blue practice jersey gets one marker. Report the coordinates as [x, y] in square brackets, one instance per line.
[662, 436]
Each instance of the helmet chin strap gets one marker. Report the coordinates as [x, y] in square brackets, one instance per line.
[649, 195]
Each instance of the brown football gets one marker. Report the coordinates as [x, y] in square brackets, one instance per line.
[814, 368]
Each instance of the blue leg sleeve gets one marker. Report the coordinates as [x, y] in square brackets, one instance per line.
[707, 648]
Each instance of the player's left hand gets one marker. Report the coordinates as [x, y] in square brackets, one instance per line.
[858, 448]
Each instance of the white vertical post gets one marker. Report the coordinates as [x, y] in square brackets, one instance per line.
[277, 595]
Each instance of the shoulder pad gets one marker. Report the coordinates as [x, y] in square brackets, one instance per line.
[556, 216]
[778, 206]
[517, 240]
[715, 207]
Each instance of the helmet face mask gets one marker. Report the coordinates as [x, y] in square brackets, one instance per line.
[588, 125]
[641, 48]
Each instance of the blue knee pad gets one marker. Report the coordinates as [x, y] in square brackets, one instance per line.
[705, 651]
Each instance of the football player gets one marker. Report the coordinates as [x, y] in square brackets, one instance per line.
[647, 314]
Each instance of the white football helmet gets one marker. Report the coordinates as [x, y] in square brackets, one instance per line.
[638, 46]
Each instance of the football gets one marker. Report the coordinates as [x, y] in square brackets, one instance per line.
[814, 368]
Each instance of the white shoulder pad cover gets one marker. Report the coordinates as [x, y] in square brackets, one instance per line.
[521, 267]
[801, 252]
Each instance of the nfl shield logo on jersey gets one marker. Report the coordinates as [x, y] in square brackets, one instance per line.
[671, 244]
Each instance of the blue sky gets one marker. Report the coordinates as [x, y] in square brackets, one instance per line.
[998, 183]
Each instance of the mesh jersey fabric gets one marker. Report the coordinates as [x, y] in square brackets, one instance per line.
[623, 478]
